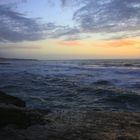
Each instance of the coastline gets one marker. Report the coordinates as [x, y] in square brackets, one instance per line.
[65, 125]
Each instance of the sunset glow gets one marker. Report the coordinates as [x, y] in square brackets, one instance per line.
[63, 31]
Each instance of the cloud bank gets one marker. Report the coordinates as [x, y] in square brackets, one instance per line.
[121, 18]
[108, 16]
[16, 27]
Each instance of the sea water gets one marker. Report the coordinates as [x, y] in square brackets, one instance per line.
[100, 85]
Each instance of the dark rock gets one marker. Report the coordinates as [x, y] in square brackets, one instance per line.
[128, 65]
[20, 117]
[8, 99]
[13, 112]
[126, 138]
[89, 125]
[103, 82]
[44, 111]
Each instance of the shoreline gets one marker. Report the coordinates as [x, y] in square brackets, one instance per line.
[20, 123]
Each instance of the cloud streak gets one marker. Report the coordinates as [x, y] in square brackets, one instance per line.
[123, 42]
[131, 42]
[70, 43]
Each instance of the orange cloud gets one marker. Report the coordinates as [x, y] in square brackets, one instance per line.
[70, 43]
[103, 43]
[117, 43]
[123, 42]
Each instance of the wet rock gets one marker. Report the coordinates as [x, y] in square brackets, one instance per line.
[126, 138]
[8, 99]
[85, 125]
[19, 117]
[13, 112]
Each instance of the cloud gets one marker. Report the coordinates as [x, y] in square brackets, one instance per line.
[16, 27]
[65, 31]
[123, 42]
[109, 16]
[128, 42]
[70, 43]
[119, 18]
[2, 2]
[72, 2]
[19, 46]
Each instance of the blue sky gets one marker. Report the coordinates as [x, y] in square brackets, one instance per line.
[48, 11]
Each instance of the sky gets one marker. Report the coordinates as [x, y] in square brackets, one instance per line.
[70, 29]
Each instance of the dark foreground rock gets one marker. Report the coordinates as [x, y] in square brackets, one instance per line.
[10, 100]
[95, 126]
[80, 126]
[62, 125]
[14, 113]
[19, 117]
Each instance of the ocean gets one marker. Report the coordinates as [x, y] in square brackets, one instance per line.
[100, 85]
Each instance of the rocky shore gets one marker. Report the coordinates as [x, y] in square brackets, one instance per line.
[13, 111]
[17, 122]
